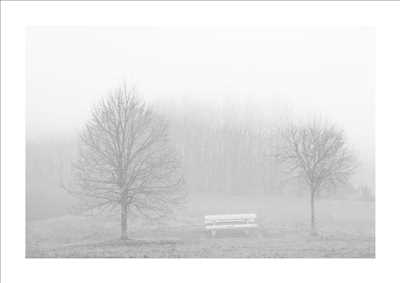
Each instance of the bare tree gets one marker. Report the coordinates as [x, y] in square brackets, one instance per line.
[318, 155]
[125, 160]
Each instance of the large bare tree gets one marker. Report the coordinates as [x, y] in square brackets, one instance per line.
[125, 160]
[318, 155]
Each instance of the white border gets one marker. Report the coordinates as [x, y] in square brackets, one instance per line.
[16, 16]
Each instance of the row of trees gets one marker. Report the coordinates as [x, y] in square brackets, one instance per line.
[222, 158]
[129, 160]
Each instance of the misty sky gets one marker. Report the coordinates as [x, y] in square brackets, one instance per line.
[328, 73]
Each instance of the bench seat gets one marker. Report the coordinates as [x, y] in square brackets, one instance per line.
[231, 226]
[230, 221]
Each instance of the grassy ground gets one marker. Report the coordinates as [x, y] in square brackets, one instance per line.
[346, 229]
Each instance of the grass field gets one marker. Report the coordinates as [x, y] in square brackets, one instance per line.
[346, 229]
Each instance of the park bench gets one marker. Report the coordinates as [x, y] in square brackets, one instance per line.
[245, 222]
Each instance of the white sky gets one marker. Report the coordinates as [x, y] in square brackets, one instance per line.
[328, 73]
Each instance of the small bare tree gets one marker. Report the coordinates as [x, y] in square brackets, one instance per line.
[125, 160]
[318, 155]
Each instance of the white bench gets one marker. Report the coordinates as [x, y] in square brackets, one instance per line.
[230, 221]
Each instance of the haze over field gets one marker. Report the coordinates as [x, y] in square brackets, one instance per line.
[225, 94]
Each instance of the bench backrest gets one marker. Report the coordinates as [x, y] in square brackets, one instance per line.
[224, 218]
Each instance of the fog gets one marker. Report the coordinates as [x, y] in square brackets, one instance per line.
[327, 72]
[225, 93]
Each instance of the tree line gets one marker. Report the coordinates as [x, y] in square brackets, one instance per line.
[130, 157]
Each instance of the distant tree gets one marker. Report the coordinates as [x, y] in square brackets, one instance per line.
[125, 160]
[366, 193]
[318, 155]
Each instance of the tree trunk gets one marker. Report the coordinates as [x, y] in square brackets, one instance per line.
[124, 221]
[312, 216]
